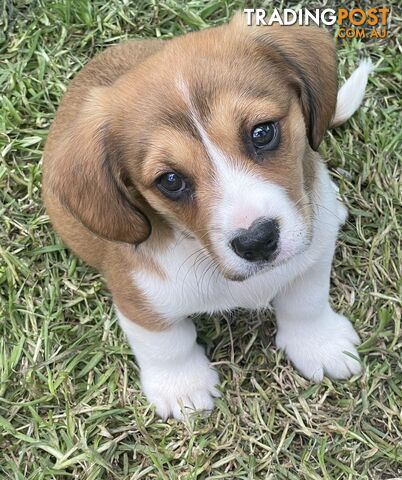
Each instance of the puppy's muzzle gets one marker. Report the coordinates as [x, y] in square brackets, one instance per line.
[259, 242]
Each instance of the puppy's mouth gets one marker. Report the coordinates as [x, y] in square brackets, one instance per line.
[250, 269]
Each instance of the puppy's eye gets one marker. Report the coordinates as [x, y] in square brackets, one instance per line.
[172, 185]
[265, 136]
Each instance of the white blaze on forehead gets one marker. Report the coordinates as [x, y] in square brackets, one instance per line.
[217, 156]
[182, 87]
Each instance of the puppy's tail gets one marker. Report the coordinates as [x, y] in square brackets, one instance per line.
[351, 93]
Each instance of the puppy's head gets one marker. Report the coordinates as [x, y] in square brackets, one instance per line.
[215, 134]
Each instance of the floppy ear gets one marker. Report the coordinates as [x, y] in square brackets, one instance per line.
[88, 177]
[308, 56]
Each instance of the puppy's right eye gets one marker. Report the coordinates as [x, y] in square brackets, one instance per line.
[172, 185]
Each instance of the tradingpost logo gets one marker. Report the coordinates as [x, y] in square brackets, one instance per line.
[352, 23]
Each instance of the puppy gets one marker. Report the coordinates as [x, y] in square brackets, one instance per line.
[187, 172]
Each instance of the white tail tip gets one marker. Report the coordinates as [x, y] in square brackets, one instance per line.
[351, 93]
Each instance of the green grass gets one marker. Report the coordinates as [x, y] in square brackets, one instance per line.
[70, 401]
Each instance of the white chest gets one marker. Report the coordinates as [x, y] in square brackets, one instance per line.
[193, 283]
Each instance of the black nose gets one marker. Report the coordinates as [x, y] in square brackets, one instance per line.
[258, 242]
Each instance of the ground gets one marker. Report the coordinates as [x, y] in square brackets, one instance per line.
[70, 400]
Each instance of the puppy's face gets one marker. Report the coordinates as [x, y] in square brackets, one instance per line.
[226, 154]
[225, 160]
[217, 132]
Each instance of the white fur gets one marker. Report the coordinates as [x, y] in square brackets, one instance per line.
[175, 372]
[317, 340]
[351, 93]
[320, 345]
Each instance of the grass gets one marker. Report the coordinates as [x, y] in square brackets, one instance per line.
[70, 401]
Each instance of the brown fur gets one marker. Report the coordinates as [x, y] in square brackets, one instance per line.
[123, 122]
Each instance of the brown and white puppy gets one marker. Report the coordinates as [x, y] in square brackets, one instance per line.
[187, 172]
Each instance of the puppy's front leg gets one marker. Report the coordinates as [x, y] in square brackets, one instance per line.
[317, 340]
[175, 372]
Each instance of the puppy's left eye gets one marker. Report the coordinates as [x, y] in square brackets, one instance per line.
[265, 136]
[172, 185]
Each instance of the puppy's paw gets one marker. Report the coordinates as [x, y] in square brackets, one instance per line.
[180, 388]
[323, 347]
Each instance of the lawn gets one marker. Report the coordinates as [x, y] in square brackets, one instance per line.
[70, 400]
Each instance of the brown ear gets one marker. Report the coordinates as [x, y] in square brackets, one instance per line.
[308, 55]
[88, 177]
